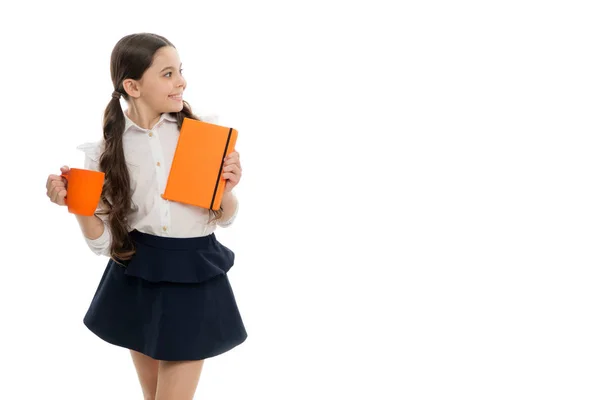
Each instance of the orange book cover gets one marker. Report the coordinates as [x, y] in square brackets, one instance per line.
[195, 176]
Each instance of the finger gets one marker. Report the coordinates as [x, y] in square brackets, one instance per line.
[60, 199]
[229, 161]
[59, 195]
[58, 184]
[237, 174]
[65, 170]
[50, 182]
[53, 182]
[231, 177]
[50, 179]
[233, 156]
[51, 187]
[54, 195]
[232, 168]
[54, 189]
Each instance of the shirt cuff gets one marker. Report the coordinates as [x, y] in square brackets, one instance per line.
[225, 224]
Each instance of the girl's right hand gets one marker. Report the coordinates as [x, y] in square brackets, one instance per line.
[56, 187]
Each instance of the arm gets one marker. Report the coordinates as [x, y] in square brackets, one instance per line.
[232, 172]
[96, 233]
[230, 206]
[95, 228]
[92, 227]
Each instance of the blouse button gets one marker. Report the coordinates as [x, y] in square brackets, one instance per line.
[158, 164]
[164, 228]
[150, 134]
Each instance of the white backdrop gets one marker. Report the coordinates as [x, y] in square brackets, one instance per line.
[419, 206]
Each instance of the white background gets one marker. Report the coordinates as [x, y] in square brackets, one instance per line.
[419, 208]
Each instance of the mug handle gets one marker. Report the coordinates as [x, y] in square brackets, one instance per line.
[66, 176]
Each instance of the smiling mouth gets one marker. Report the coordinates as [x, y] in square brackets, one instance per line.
[176, 96]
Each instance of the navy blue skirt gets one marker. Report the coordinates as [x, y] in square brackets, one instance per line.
[172, 301]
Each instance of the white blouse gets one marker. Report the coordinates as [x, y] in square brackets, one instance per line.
[148, 155]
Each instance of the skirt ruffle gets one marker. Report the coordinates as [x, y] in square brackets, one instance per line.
[197, 259]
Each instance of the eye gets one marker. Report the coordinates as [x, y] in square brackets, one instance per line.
[168, 74]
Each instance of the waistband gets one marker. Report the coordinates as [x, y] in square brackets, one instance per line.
[171, 243]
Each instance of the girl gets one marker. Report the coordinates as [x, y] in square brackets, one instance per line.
[164, 293]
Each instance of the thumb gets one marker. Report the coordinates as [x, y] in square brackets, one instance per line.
[64, 168]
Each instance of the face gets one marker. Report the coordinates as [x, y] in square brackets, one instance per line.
[162, 85]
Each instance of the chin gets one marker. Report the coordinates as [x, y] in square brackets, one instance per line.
[176, 108]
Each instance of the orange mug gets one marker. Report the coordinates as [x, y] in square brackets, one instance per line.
[84, 188]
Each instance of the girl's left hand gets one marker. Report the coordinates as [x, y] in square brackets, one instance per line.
[232, 170]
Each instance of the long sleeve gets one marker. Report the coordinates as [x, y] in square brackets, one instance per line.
[101, 245]
[148, 159]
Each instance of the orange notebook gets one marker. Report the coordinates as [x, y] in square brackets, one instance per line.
[195, 176]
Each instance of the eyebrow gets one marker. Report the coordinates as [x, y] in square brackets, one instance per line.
[166, 68]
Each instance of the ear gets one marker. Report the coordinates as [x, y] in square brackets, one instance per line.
[132, 88]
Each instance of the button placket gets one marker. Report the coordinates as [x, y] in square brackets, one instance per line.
[158, 156]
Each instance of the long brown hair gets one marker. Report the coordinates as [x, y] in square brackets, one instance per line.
[130, 58]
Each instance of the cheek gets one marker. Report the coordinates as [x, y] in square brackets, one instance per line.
[162, 91]
[157, 90]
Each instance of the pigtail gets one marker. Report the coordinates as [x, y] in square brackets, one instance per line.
[116, 192]
[131, 56]
[186, 112]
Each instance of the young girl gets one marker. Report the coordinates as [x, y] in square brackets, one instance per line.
[164, 293]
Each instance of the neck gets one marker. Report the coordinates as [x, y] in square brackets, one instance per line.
[142, 116]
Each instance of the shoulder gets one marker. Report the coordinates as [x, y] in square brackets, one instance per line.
[92, 150]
